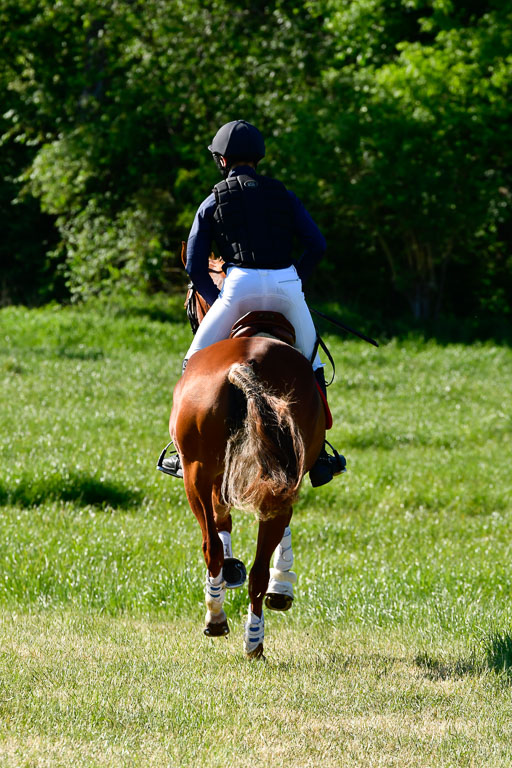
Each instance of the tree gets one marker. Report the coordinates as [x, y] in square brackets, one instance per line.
[425, 147]
[125, 99]
[388, 117]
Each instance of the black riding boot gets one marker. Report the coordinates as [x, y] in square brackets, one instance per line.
[171, 466]
[326, 466]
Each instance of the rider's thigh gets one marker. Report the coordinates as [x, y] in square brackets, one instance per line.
[300, 317]
[215, 326]
[225, 311]
[296, 312]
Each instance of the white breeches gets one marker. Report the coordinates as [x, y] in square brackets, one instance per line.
[247, 290]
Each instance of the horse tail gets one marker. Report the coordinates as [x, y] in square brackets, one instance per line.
[264, 460]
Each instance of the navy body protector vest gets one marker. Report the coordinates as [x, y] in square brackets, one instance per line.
[253, 222]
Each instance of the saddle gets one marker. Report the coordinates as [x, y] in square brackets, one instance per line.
[264, 323]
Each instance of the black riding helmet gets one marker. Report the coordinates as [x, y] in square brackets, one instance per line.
[237, 140]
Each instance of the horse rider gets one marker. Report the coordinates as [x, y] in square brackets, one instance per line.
[253, 220]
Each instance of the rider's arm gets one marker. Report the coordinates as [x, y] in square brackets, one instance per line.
[199, 246]
[310, 237]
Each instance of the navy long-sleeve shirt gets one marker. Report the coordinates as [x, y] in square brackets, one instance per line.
[200, 239]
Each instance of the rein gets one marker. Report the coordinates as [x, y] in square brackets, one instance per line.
[194, 301]
[321, 343]
[191, 307]
[195, 305]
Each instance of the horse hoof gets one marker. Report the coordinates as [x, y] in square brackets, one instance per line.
[234, 572]
[276, 602]
[216, 630]
[257, 653]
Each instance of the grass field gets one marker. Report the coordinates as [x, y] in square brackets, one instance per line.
[397, 649]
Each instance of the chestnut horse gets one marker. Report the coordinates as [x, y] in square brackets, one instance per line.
[248, 422]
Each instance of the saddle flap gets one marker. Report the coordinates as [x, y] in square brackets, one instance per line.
[264, 322]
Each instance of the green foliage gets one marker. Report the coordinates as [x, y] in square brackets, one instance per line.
[425, 149]
[390, 118]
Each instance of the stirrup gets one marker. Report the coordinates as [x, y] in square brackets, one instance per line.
[338, 462]
[327, 466]
[172, 465]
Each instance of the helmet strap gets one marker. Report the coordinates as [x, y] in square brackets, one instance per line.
[221, 164]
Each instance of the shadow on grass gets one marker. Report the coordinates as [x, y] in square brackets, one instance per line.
[161, 315]
[494, 653]
[442, 669]
[80, 488]
[161, 307]
[77, 352]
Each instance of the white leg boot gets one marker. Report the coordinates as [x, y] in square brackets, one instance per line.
[254, 635]
[282, 578]
[215, 593]
[225, 537]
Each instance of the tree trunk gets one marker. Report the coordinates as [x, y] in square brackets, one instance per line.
[422, 278]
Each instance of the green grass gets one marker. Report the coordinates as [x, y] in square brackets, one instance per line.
[397, 649]
[87, 690]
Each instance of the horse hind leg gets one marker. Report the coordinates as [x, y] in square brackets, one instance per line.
[216, 623]
[199, 494]
[233, 569]
[254, 635]
[270, 533]
[279, 595]
[232, 574]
